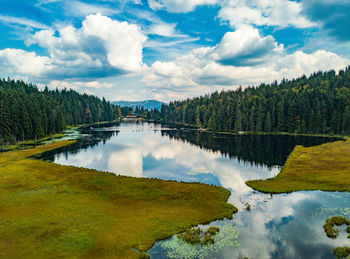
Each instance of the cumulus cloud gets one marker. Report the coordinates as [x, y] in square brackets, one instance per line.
[14, 61]
[244, 47]
[281, 13]
[101, 47]
[178, 6]
[122, 41]
[243, 57]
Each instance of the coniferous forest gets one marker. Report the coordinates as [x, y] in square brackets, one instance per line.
[318, 104]
[27, 113]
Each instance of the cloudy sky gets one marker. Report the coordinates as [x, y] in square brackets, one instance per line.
[169, 49]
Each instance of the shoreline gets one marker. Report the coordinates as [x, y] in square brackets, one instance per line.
[54, 137]
[190, 126]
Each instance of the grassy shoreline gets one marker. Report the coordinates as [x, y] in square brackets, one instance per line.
[325, 167]
[33, 142]
[257, 133]
[50, 210]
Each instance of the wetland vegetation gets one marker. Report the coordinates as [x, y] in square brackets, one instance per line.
[325, 167]
[50, 210]
[340, 252]
[196, 236]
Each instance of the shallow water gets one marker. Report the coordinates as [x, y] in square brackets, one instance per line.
[278, 226]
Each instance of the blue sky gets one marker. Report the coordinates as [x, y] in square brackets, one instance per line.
[169, 49]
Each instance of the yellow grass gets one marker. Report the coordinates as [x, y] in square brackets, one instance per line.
[325, 167]
[53, 211]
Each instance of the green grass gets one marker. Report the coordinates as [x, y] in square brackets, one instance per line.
[52, 211]
[325, 167]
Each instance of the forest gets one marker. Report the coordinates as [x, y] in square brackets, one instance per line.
[318, 104]
[28, 113]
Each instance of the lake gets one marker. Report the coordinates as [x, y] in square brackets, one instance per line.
[266, 226]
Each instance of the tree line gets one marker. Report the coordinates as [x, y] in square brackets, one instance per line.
[318, 104]
[28, 113]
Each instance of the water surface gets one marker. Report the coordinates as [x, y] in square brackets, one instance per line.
[278, 226]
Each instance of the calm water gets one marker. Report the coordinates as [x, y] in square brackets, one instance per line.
[278, 226]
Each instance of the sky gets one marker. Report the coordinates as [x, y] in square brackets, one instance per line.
[169, 49]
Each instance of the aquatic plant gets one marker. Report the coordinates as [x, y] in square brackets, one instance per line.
[342, 252]
[178, 248]
[329, 212]
[335, 221]
[196, 236]
[192, 235]
[212, 230]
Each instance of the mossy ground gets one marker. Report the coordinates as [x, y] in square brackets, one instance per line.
[325, 167]
[52, 211]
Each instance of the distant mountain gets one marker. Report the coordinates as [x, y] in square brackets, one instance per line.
[148, 104]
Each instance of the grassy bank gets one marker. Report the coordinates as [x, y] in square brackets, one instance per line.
[325, 167]
[29, 143]
[52, 211]
[54, 137]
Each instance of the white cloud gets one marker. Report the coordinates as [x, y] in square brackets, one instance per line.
[64, 84]
[179, 6]
[17, 61]
[78, 84]
[123, 41]
[243, 57]
[245, 46]
[78, 8]
[281, 13]
[163, 29]
[100, 48]
[22, 21]
[96, 84]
